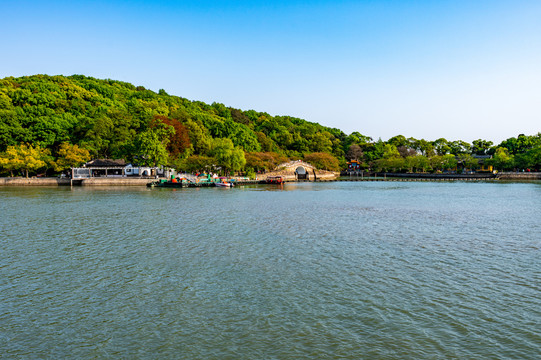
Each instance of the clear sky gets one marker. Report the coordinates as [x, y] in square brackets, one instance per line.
[459, 69]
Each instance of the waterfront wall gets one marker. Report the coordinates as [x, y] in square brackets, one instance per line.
[18, 181]
[474, 176]
[322, 175]
[519, 176]
[288, 172]
[96, 181]
[511, 176]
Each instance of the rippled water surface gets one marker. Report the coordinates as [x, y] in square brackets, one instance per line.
[373, 270]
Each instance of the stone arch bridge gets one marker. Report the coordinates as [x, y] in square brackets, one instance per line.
[299, 170]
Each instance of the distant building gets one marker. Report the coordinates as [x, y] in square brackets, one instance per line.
[482, 165]
[117, 168]
[354, 167]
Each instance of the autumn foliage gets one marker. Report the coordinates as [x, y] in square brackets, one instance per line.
[180, 140]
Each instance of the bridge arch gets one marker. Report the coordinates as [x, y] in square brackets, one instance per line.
[301, 173]
[300, 170]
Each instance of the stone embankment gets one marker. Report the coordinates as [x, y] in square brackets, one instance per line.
[18, 181]
[519, 176]
[290, 172]
[504, 176]
[319, 175]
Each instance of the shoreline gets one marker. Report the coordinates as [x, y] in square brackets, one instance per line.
[18, 181]
[112, 181]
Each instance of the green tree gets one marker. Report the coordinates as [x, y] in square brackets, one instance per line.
[227, 155]
[266, 143]
[521, 144]
[199, 137]
[481, 147]
[398, 140]
[530, 159]
[449, 162]
[394, 163]
[443, 162]
[390, 151]
[423, 163]
[388, 163]
[357, 138]
[502, 160]
[321, 142]
[198, 163]
[425, 147]
[468, 161]
[459, 147]
[441, 146]
[152, 144]
[417, 163]
[373, 152]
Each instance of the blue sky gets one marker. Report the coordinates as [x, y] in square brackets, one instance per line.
[427, 69]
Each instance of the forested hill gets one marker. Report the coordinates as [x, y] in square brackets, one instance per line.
[54, 122]
[114, 119]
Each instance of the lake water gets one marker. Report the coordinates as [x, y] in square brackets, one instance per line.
[343, 270]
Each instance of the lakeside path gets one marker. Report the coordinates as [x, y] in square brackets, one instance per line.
[113, 181]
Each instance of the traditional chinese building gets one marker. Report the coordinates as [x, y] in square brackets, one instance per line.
[115, 168]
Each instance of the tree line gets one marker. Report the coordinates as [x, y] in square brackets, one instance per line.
[401, 154]
[51, 123]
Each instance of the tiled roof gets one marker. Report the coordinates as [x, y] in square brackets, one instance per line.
[105, 163]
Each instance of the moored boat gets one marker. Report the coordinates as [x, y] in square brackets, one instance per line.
[174, 183]
[223, 184]
[274, 180]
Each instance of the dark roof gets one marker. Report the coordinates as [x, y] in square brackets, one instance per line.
[105, 163]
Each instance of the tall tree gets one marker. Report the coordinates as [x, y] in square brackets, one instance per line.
[468, 161]
[459, 147]
[502, 160]
[441, 146]
[70, 156]
[480, 147]
[25, 157]
[323, 161]
[227, 155]
[151, 145]
[200, 163]
[355, 153]
[179, 140]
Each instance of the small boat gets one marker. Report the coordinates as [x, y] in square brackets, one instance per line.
[173, 183]
[223, 184]
[274, 180]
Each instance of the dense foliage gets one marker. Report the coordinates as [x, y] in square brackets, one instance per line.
[58, 121]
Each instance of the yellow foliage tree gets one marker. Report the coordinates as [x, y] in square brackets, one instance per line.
[70, 156]
[322, 161]
[24, 157]
[10, 160]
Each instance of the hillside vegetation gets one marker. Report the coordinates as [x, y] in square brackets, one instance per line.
[54, 122]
